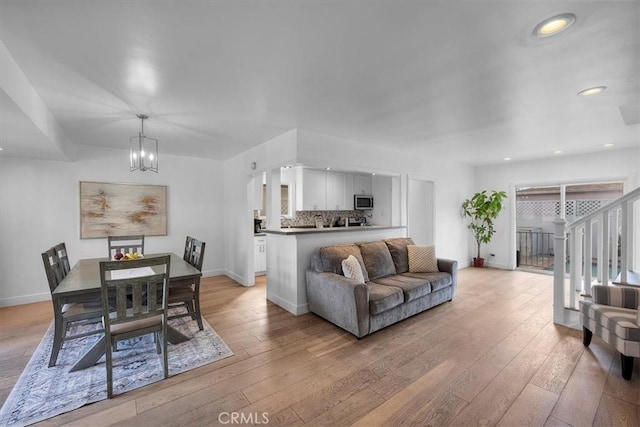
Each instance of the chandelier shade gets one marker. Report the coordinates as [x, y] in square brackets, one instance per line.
[143, 151]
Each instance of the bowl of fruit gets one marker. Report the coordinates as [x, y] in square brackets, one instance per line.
[127, 257]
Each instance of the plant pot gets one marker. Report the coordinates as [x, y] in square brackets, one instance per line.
[478, 262]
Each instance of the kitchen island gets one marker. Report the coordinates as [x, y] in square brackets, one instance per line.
[289, 256]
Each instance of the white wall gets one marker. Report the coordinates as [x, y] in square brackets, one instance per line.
[238, 201]
[613, 165]
[39, 207]
[383, 200]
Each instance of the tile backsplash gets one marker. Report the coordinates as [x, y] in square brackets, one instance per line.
[308, 218]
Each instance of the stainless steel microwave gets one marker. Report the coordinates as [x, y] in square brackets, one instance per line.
[362, 202]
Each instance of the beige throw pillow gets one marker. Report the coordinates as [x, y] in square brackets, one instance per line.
[422, 259]
[352, 270]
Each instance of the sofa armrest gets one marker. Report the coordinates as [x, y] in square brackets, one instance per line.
[616, 296]
[450, 266]
[340, 300]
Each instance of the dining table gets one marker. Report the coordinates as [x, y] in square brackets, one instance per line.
[83, 283]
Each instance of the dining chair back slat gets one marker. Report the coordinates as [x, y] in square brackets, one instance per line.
[125, 244]
[61, 250]
[187, 249]
[196, 253]
[53, 268]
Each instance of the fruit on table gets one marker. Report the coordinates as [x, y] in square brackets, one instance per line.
[131, 255]
[118, 256]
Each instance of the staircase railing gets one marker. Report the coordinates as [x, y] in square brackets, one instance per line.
[600, 249]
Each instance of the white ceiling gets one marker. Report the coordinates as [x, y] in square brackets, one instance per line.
[218, 77]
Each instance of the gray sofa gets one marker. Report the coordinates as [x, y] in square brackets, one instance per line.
[391, 293]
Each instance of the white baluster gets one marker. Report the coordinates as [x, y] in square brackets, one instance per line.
[588, 244]
[559, 250]
[575, 258]
[624, 241]
[604, 272]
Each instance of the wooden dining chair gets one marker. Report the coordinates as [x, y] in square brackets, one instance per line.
[125, 244]
[188, 295]
[63, 256]
[66, 314]
[140, 305]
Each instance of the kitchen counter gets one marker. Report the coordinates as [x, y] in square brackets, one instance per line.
[289, 257]
[259, 234]
[304, 230]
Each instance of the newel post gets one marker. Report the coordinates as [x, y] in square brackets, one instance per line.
[559, 257]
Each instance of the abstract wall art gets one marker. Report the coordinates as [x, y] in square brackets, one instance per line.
[122, 209]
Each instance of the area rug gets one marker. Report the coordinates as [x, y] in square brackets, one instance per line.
[43, 392]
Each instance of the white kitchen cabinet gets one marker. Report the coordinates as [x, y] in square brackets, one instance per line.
[314, 191]
[260, 254]
[336, 191]
[362, 185]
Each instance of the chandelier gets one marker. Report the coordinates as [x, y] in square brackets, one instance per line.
[143, 151]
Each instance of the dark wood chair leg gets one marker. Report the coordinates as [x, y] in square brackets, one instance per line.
[627, 366]
[58, 334]
[586, 336]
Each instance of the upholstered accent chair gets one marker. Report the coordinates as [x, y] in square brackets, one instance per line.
[613, 315]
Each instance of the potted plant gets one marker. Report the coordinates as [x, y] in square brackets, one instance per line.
[483, 209]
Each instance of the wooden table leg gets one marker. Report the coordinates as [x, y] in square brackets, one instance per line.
[174, 336]
[94, 354]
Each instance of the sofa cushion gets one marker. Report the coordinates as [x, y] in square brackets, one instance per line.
[437, 280]
[422, 259]
[377, 259]
[331, 257]
[620, 321]
[412, 287]
[383, 298]
[398, 249]
[352, 270]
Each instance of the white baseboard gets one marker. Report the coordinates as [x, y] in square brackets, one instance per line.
[25, 299]
[213, 273]
[499, 265]
[290, 307]
[237, 278]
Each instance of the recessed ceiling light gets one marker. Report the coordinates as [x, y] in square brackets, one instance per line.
[373, 174]
[605, 145]
[557, 152]
[554, 25]
[328, 168]
[506, 159]
[592, 91]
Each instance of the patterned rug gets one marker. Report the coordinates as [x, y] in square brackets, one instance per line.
[43, 392]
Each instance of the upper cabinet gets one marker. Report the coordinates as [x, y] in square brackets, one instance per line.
[362, 184]
[336, 191]
[318, 190]
[312, 190]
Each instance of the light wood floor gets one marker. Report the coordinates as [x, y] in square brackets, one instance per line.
[491, 357]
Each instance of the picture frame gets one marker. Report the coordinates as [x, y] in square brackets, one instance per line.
[111, 209]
